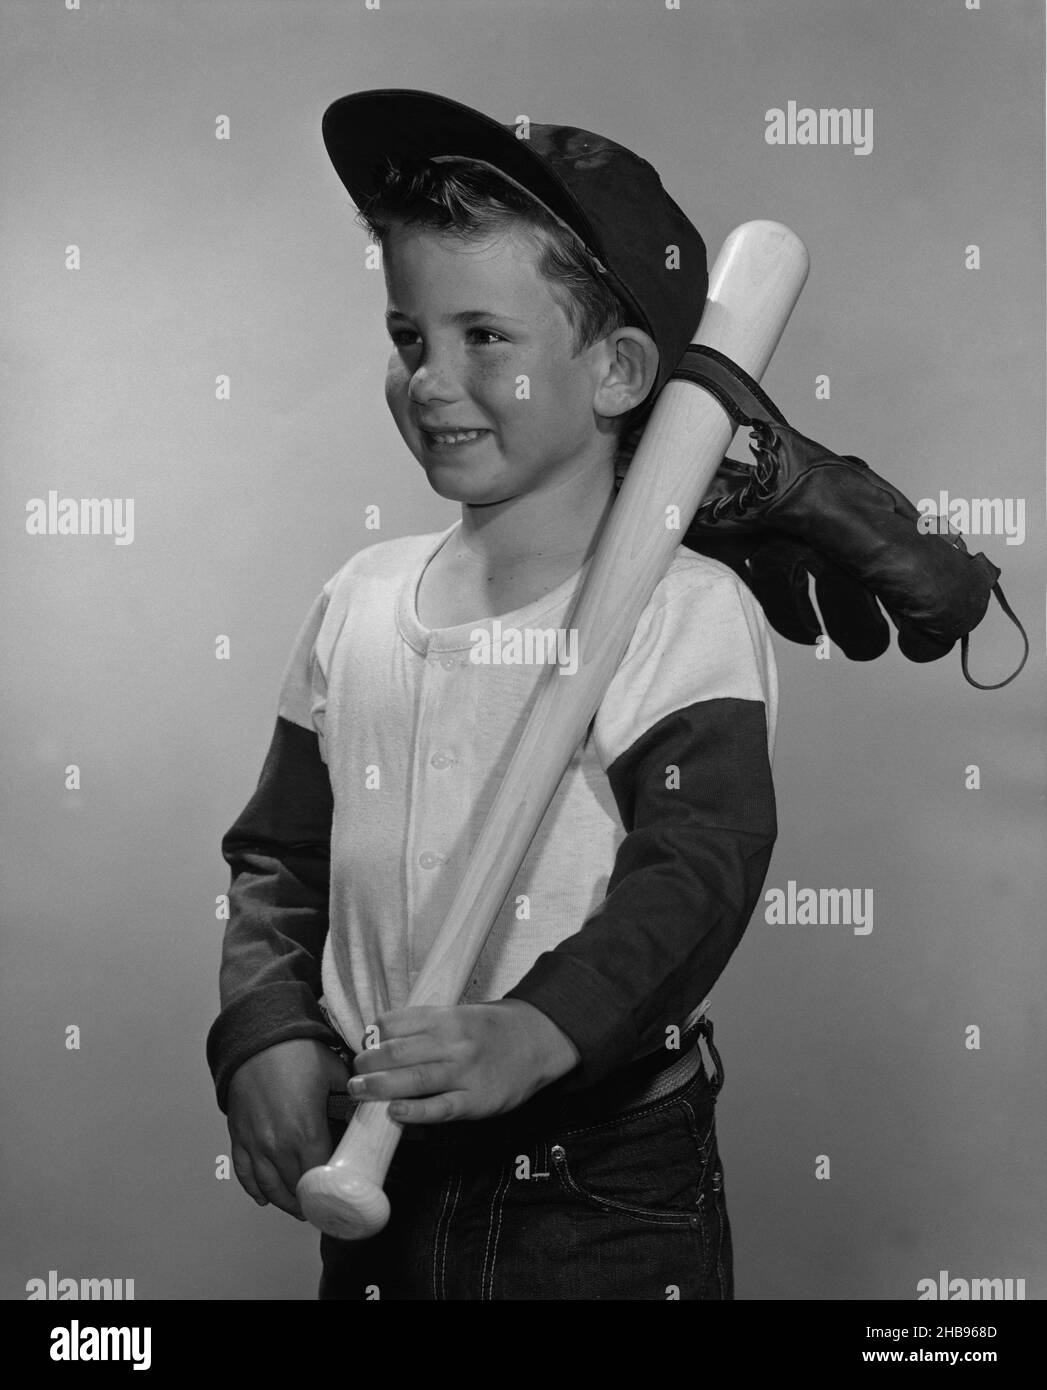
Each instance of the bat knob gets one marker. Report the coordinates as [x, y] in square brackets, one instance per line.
[341, 1203]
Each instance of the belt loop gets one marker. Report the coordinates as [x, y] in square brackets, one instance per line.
[705, 1028]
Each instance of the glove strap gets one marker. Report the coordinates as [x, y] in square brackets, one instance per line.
[743, 399]
[965, 640]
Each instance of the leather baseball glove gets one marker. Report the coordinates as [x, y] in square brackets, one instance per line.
[802, 511]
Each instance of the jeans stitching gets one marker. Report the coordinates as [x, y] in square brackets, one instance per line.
[705, 1146]
[720, 1206]
[443, 1239]
[710, 1154]
[493, 1229]
[447, 1232]
[437, 1238]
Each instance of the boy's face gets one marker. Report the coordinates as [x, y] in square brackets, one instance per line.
[484, 382]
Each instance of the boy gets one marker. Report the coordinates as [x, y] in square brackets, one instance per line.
[559, 1136]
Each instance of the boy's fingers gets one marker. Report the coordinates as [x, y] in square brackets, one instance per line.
[274, 1185]
[402, 1023]
[426, 1079]
[244, 1170]
[433, 1110]
[400, 1052]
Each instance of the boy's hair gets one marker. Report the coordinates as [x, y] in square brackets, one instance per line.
[472, 201]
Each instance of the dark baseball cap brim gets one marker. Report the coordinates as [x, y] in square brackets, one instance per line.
[365, 130]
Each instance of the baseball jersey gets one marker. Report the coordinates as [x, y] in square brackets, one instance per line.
[392, 740]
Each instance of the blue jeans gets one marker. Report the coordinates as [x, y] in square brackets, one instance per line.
[582, 1203]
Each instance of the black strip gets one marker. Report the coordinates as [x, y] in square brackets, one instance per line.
[279, 853]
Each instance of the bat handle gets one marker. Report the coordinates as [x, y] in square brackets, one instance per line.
[344, 1197]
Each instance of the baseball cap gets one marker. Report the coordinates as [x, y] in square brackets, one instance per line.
[603, 193]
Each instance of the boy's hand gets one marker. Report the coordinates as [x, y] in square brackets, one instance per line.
[463, 1062]
[277, 1114]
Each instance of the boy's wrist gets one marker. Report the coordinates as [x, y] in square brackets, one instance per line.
[554, 1053]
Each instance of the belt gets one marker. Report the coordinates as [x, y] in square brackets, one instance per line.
[647, 1080]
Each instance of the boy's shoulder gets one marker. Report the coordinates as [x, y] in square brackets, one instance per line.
[693, 575]
[701, 613]
[701, 640]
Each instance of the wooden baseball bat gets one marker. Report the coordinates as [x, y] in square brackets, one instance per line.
[754, 284]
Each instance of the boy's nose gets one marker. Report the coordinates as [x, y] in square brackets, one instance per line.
[431, 381]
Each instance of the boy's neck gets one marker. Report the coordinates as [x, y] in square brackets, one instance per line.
[558, 527]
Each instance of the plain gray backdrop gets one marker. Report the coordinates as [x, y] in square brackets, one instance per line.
[201, 257]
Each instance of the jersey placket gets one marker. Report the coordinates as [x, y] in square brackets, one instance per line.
[439, 801]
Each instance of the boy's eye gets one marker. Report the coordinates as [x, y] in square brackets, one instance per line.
[486, 336]
[483, 337]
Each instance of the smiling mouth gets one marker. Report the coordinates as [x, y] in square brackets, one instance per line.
[451, 439]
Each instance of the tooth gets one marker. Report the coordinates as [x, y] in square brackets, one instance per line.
[455, 437]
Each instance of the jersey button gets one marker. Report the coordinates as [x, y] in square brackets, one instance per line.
[429, 859]
[441, 760]
[448, 663]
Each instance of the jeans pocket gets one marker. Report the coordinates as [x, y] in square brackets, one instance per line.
[655, 1216]
[652, 1165]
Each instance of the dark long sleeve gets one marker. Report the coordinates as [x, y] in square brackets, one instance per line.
[698, 843]
[279, 854]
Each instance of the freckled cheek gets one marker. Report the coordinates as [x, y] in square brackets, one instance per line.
[397, 381]
[505, 388]
[556, 403]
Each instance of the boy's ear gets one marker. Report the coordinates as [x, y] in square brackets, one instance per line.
[631, 366]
